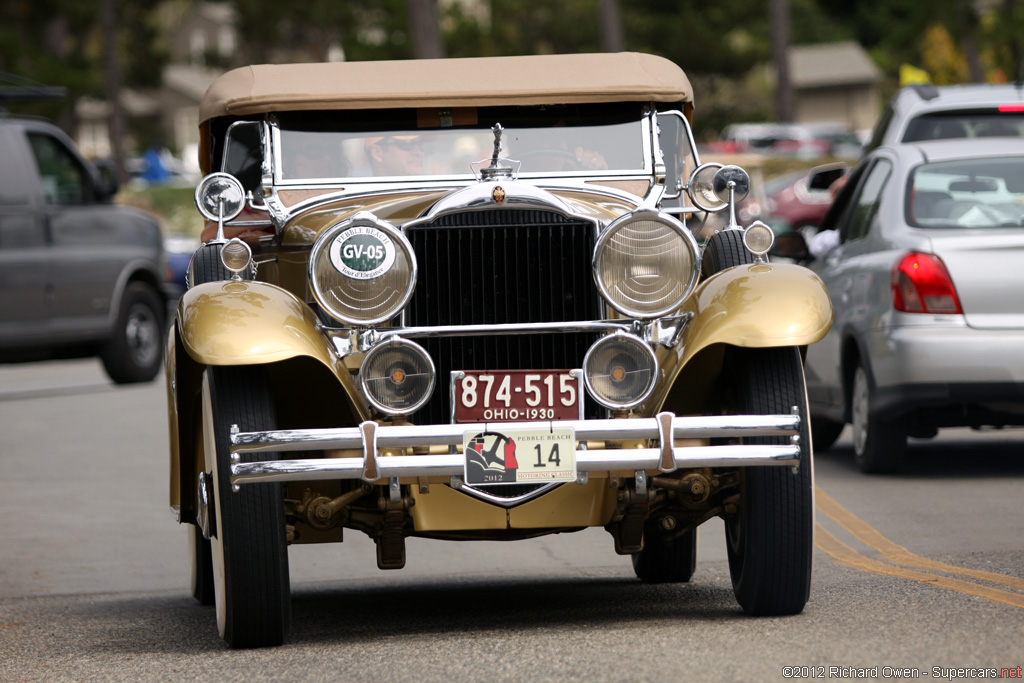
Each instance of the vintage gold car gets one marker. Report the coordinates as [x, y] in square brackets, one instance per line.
[461, 299]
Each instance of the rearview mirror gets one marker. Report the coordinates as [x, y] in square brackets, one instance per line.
[823, 179]
[974, 185]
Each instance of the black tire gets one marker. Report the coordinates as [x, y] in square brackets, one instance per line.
[206, 266]
[771, 536]
[878, 444]
[135, 352]
[665, 559]
[825, 432]
[724, 250]
[250, 552]
[201, 554]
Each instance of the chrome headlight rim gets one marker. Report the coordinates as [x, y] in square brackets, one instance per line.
[610, 231]
[324, 242]
[227, 181]
[616, 337]
[750, 234]
[226, 253]
[705, 174]
[387, 344]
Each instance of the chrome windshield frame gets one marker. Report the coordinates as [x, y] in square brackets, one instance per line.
[276, 176]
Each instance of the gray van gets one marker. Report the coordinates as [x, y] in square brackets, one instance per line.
[79, 275]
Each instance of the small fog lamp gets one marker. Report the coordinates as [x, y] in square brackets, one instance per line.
[397, 377]
[236, 255]
[620, 371]
[758, 238]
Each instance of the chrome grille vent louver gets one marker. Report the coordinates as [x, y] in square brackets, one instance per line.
[502, 266]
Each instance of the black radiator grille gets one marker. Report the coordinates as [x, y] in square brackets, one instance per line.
[502, 266]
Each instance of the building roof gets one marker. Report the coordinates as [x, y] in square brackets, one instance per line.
[190, 81]
[478, 81]
[831, 64]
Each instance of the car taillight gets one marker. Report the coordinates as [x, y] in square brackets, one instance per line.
[921, 284]
[1005, 108]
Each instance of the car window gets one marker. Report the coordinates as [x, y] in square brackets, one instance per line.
[864, 209]
[884, 121]
[389, 144]
[62, 176]
[967, 193]
[975, 123]
[15, 184]
[243, 156]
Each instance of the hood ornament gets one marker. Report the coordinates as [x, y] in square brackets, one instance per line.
[498, 167]
[497, 129]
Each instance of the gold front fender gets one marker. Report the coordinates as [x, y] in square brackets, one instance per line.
[754, 305]
[240, 323]
[758, 305]
[248, 322]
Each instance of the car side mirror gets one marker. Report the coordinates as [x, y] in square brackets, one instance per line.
[106, 182]
[822, 179]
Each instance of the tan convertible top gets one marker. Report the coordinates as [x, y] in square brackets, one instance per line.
[479, 81]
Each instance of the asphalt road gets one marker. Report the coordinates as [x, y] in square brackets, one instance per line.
[922, 570]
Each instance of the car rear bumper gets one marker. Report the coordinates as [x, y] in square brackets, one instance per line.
[916, 366]
[396, 451]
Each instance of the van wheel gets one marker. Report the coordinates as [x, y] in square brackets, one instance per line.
[666, 559]
[135, 351]
[249, 549]
[770, 537]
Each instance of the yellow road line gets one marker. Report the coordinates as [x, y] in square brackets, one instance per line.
[868, 535]
[851, 558]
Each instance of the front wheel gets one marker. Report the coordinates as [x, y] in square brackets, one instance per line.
[771, 534]
[878, 444]
[249, 548]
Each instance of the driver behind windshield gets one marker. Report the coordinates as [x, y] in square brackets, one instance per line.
[395, 155]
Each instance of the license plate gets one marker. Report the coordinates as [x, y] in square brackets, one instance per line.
[517, 395]
[520, 456]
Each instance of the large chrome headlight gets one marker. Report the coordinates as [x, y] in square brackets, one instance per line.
[362, 270]
[646, 264]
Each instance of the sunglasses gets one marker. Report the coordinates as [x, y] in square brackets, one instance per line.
[404, 145]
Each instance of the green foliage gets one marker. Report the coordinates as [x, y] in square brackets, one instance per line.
[173, 207]
[724, 46]
[60, 43]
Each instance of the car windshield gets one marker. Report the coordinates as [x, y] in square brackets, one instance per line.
[968, 193]
[552, 141]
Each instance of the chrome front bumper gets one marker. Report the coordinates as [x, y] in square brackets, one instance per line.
[370, 437]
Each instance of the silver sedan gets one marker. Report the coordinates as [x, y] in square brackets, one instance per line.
[925, 267]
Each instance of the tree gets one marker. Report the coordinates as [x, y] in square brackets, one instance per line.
[613, 38]
[780, 55]
[62, 43]
[424, 29]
